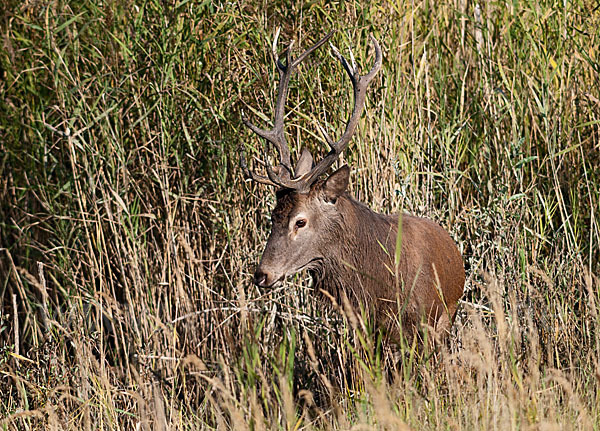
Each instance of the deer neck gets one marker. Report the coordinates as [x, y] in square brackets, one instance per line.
[362, 241]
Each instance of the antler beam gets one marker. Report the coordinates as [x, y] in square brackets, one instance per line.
[282, 175]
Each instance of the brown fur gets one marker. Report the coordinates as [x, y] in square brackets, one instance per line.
[352, 250]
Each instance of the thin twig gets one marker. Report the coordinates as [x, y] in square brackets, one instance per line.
[16, 323]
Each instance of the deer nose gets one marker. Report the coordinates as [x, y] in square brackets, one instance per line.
[260, 278]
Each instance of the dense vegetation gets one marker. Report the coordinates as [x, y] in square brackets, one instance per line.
[128, 236]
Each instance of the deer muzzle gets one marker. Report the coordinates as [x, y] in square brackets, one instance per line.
[264, 278]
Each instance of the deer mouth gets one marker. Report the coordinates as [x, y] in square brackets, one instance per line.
[275, 283]
[311, 264]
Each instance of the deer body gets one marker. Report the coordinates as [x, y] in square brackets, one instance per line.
[367, 242]
[349, 249]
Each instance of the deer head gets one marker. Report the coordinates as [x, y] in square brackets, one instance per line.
[306, 219]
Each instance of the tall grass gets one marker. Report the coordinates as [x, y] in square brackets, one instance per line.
[128, 236]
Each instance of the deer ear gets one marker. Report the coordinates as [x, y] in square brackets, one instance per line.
[336, 184]
[304, 164]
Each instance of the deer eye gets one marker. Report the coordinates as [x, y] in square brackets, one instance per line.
[300, 223]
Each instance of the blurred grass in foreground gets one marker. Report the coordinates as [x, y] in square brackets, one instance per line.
[128, 237]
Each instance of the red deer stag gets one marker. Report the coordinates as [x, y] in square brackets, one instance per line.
[347, 248]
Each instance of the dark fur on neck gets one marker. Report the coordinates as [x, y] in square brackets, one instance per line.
[355, 268]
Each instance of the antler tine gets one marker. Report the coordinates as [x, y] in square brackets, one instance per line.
[360, 84]
[276, 136]
[251, 175]
[306, 53]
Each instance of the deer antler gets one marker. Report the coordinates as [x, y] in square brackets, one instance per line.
[281, 175]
